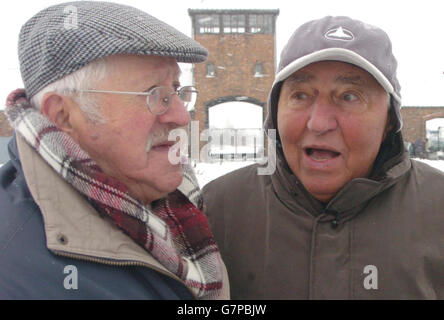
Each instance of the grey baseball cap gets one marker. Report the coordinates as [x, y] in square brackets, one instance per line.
[65, 37]
[338, 39]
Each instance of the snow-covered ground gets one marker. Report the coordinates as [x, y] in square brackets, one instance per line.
[205, 172]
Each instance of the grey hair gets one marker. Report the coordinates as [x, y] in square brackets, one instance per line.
[72, 84]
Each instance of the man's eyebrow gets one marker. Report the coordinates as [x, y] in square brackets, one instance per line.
[301, 78]
[355, 80]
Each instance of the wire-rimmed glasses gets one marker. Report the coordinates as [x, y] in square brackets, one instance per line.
[158, 99]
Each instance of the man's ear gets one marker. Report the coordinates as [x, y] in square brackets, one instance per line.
[57, 108]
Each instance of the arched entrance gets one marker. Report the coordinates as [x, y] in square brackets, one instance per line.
[235, 128]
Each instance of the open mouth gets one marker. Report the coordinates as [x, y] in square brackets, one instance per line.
[318, 154]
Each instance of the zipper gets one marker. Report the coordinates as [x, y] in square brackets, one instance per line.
[120, 263]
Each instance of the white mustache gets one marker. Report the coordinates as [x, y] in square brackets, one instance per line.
[156, 137]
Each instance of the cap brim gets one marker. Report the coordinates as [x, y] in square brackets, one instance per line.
[337, 54]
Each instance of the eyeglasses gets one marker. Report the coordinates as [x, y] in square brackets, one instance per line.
[158, 99]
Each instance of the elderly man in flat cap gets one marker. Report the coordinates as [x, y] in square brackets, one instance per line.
[91, 206]
[346, 214]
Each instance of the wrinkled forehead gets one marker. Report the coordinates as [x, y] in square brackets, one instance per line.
[335, 71]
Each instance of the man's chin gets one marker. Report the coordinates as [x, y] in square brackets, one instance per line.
[171, 181]
[159, 189]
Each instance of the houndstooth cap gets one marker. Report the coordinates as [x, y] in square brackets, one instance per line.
[63, 38]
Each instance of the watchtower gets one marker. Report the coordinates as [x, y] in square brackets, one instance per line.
[235, 80]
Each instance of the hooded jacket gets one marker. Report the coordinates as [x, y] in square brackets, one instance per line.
[378, 238]
[54, 245]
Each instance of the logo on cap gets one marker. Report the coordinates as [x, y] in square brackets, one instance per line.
[339, 34]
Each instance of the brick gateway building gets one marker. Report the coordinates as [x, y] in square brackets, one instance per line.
[236, 77]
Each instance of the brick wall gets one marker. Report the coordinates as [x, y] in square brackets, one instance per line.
[234, 58]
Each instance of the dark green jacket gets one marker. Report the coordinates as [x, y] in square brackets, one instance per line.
[380, 238]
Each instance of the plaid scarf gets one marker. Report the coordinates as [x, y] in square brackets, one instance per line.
[173, 230]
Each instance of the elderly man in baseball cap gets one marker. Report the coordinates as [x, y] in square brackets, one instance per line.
[346, 214]
[91, 205]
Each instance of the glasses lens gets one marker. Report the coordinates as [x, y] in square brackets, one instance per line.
[155, 100]
[188, 95]
[159, 98]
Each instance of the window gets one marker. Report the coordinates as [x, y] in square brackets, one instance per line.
[210, 70]
[258, 70]
[260, 23]
[233, 23]
[207, 23]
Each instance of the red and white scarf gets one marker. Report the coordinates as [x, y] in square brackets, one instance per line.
[173, 230]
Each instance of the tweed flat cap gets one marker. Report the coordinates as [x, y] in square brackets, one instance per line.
[63, 38]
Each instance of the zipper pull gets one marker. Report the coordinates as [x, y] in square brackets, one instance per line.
[335, 221]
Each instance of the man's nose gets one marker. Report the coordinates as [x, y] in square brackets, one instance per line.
[322, 116]
[176, 114]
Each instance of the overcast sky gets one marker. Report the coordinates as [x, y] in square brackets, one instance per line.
[415, 27]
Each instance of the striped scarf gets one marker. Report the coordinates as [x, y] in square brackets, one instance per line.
[173, 230]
